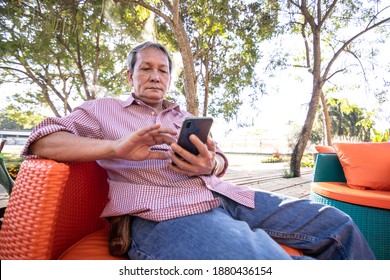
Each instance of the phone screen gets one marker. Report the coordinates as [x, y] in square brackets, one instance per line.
[200, 126]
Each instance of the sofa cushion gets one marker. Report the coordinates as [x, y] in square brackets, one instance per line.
[95, 247]
[325, 149]
[92, 247]
[365, 165]
[341, 192]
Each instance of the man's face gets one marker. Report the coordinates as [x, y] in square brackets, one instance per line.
[151, 78]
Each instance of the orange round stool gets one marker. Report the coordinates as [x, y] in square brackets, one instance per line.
[370, 209]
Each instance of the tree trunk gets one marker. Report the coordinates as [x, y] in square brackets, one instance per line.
[325, 110]
[206, 100]
[188, 68]
[206, 80]
[299, 149]
[190, 79]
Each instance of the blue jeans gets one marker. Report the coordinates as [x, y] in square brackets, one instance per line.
[233, 231]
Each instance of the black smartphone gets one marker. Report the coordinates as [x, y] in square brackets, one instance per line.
[200, 126]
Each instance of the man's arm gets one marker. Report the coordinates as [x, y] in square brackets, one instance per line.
[66, 147]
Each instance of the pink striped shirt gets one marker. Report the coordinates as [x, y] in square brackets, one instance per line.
[148, 189]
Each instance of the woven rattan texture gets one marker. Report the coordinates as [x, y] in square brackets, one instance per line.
[92, 247]
[32, 210]
[84, 198]
[53, 205]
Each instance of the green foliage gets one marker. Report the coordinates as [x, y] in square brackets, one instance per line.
[274, 159]
[378, 136]
[332, 44]
[12, 162]
[75, 50]
[349, 121]
[287, 174]
[224, 37]
[15, 118]
[307, 161]
[227, 49]
[316, 135]
[67, 50]
[293, 134]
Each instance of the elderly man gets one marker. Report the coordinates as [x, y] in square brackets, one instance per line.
[184, 210]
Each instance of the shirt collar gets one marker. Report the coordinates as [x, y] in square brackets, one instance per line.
[129, 100]
[167, 104]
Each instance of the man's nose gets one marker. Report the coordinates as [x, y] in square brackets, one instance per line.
[155, 76]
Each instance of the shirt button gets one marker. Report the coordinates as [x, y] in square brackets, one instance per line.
[153, 113]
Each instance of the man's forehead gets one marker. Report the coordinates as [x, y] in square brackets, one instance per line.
[151, 55]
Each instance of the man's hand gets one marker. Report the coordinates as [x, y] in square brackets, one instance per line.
[137, 146]
[202, 164]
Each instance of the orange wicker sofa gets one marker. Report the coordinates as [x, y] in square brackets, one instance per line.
[53, 213]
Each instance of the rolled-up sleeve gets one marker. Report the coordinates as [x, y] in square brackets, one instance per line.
[80, 122]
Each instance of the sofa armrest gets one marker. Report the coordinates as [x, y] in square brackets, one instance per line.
[32, 210]
[52, 206]
[328, 169]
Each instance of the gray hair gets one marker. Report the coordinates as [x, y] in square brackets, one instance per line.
[132, 56]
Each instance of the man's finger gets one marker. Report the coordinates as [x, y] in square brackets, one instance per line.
[198, 144]
[148, 129]
[167, 139]
[212, 145]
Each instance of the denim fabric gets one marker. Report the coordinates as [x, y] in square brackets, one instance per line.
[233, 231]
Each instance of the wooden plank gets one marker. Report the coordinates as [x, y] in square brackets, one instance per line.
[273, 181]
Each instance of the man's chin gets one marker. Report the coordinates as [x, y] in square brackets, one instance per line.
[152, 98]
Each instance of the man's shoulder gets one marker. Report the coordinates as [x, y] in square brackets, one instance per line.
[109, 99]
[103, 101]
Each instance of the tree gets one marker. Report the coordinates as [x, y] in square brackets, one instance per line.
[225, 43]
[321, 23]
[217, 41]
[68, 50]
[349, 122]
[11, 117]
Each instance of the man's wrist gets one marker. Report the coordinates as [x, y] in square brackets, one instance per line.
[216, 167]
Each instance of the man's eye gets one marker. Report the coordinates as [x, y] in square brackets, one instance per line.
[144, 68]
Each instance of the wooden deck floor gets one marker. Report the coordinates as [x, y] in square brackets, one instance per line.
[273, 181]
[249, 170]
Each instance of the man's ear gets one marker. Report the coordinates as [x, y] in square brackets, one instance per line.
[129, 77]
